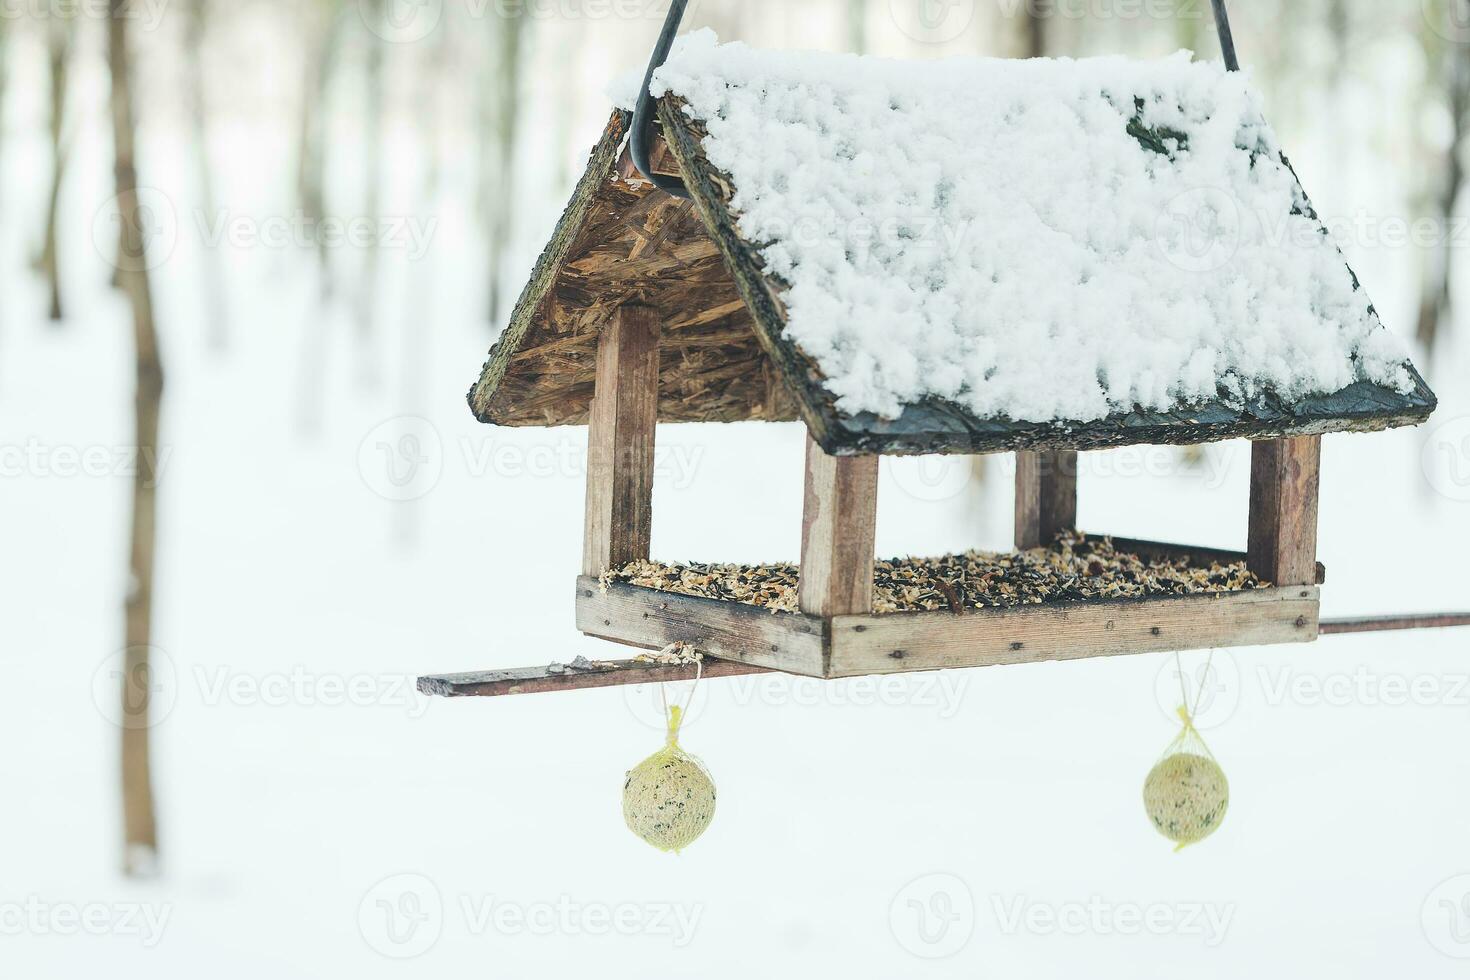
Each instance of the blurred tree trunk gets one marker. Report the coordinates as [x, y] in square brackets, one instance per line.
[420, 299]
[1434, 305]
[139, 824]
[857, 26]
[1035, 23]
[1340, 29]
[1189, 28]
[323, 29]
[4, 75]
[568, 92]
[499, 120]
[367, 289]
[216, 306]
[58, 57]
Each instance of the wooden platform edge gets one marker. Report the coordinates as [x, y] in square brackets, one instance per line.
[897, 642]
[650, 618]
[612, 673]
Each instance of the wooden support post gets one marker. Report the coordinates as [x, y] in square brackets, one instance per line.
[1283, 519]
[1046, 496]
[837, 528]
[620, 441]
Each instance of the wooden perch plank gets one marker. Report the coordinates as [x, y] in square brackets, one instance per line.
[620, 442]
[1046, 496]
[573, 677]
[1383, 624]
[612, 673]
[1283, 514]
[838, 524]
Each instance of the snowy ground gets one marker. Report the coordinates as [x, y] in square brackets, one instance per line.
[319, 819]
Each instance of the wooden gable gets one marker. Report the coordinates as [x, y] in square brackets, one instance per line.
[622, 241]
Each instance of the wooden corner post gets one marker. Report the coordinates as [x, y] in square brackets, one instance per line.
[837, 528]
[1283, 519]
[620, 439]
[1046, 496]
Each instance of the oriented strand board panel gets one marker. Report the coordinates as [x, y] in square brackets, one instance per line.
[620, 241]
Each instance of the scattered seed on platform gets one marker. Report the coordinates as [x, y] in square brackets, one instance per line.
[1074, 569]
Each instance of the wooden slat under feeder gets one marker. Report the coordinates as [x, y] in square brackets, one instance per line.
[603, 673]
[895, 642]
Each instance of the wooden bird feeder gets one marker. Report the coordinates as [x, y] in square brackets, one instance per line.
[648, 306]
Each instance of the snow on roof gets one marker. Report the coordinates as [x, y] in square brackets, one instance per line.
[1042, 240]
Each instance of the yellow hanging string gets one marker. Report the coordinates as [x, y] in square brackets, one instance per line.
[1186, 793]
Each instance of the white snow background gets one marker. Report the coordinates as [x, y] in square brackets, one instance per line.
[288, 819]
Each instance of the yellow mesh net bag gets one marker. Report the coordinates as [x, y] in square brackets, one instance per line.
[1186, 793]
[669, 797]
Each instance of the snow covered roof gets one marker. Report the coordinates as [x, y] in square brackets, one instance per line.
[978, 254]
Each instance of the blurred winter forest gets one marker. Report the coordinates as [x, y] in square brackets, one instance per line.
[336, 189]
